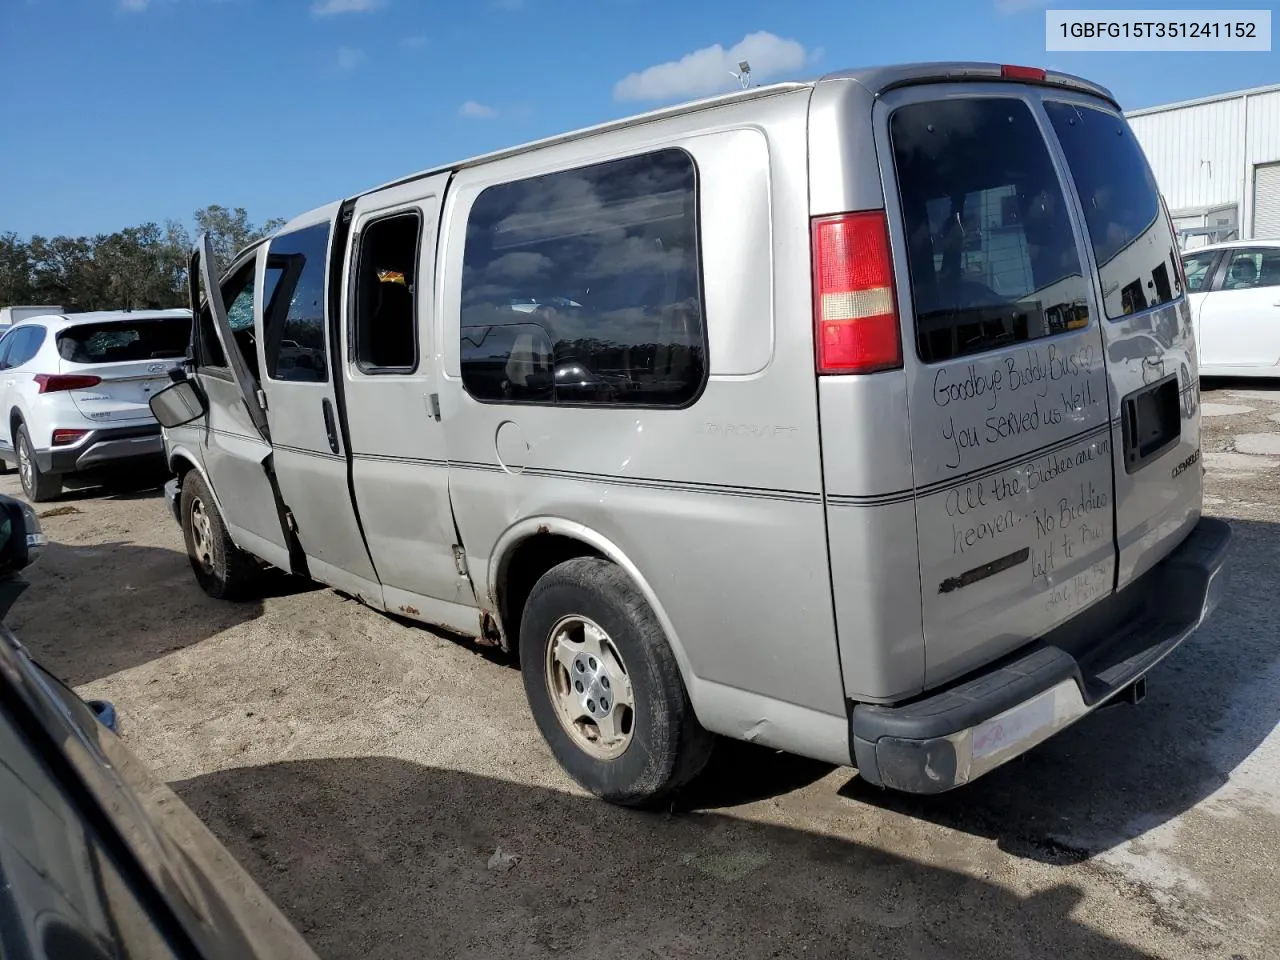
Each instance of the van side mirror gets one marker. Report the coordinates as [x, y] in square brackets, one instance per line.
[177, 404]
[20, 536]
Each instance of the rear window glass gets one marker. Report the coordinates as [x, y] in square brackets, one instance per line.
[991, 254]
[122, 342]
[1137, 258]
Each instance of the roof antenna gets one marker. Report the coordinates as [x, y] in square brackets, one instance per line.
[743, 76]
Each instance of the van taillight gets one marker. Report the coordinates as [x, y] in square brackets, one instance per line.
[854, 309]
[1011, 72]
[55, 382]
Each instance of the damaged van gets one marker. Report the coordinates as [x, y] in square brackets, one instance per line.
[857, 418]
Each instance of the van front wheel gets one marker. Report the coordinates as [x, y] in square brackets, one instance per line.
[604, 687]
[223, 570]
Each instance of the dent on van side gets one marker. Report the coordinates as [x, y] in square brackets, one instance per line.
[854, 418]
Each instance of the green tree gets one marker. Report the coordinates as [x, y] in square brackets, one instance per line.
[63, 272]
[137, 267]
[15, 269]
[230, 231]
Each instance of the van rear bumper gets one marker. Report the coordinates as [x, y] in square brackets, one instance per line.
[953, 736]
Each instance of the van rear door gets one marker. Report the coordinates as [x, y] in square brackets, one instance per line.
[1010, 419]
[1147, 328]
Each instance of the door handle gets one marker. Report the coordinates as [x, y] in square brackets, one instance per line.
[330, 425]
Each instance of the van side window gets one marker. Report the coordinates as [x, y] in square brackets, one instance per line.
[237, 297]
[991, 253]
[583, 286]
[1127, 225]
[386, 291]
[294, 316]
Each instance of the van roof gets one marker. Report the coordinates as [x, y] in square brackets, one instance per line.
[877, 80]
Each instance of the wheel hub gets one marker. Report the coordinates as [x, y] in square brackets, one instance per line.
[590, 689]
[591, 682]
[201, 534]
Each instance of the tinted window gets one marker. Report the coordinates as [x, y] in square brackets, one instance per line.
[1248, 269]
[1197, 266]
[583, 286]
[294, 292]
[386, 325]
[26, 343]
[1127, 228]
[991, 254]
[119, 342]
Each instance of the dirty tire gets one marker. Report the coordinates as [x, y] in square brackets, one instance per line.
[36, 484]
[226, 572]
[668, 746]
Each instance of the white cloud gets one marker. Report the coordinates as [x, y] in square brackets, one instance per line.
[476, 111]
[350, 57]
[134, 6]
[328, 8]
[1018, 6]
[710, 69]
[415, 42]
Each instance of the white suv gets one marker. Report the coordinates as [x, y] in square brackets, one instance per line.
[1234, 293]
[74, 391]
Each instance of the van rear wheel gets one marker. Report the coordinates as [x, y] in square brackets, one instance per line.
[604, 687]
[223, 570]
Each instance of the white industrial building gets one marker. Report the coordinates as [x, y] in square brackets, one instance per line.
[1217, 160]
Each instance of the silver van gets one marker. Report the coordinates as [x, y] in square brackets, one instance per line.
[856, 418]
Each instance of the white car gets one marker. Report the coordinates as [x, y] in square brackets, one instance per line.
[1235, 303]
[74, 390]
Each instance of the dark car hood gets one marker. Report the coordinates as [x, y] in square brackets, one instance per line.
[211, 897]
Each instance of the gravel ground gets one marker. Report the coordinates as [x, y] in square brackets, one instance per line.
[366, 772]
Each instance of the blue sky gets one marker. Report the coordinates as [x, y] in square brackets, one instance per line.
[115, 112]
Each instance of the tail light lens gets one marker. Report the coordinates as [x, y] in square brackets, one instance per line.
[54, 382]
[63, 437]
[854, 309]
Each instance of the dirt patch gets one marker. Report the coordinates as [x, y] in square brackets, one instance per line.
[65, 510]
